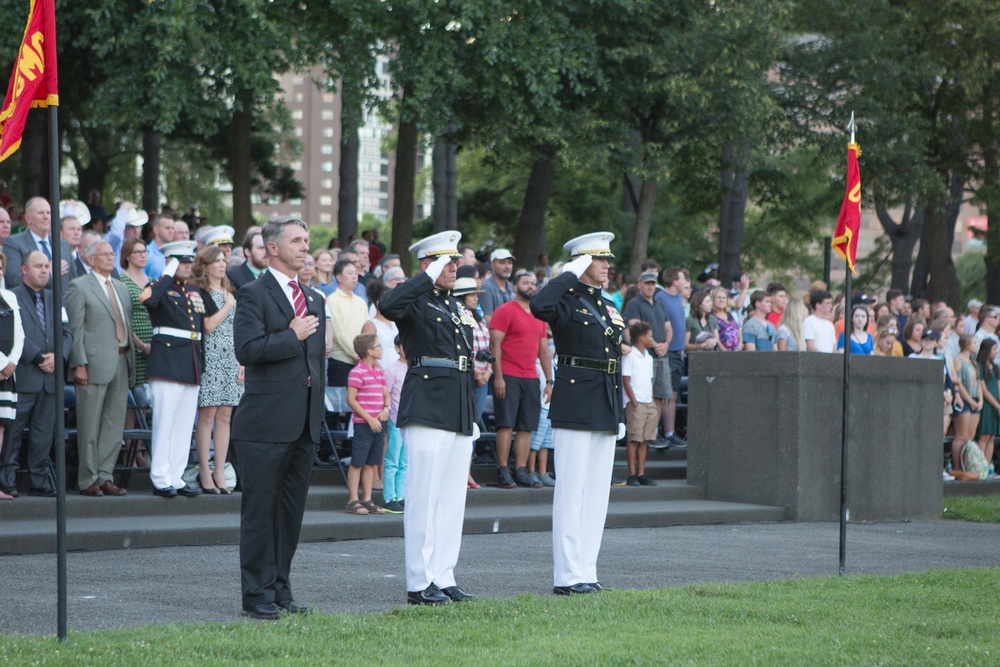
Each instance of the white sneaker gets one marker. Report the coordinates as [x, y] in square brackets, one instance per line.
[946, 477]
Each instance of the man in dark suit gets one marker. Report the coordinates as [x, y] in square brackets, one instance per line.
[38, 236]
[280, 339]
[36, 383]
[437, 414]
[255, 264]
[586, 411]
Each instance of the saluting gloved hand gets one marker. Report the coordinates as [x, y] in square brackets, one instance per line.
[475, 431]
[579, 265]
[621, 431]
[171, 267]
[435, 268]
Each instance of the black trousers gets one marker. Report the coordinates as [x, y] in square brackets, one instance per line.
[274, 477]
[36, 412]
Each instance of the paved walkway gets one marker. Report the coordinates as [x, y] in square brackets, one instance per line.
[111, 589]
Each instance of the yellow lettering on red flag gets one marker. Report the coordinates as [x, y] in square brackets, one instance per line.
[34, 81]
[845, 237]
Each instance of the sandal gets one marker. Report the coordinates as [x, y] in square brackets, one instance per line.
[372, 507]
[356, 507]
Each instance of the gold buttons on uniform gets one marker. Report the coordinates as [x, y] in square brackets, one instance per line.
[600, 303]
[606, 350]
[439, 319]
[572, 381]
[425, 377]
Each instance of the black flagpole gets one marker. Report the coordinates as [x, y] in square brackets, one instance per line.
[57, 337]
[844, 511]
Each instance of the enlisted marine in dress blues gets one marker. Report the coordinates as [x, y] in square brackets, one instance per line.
[177, 357]
[437, 411]
[586, 411]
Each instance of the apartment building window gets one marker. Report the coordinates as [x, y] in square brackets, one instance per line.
[295, 202]
[327, 132]
[297, 114]
[325, 200]
[326, 166]
[296, 165]
[326, 184]
[299, 96]
[326, 114]
[328, 98]
[325, 218]
[326, 149]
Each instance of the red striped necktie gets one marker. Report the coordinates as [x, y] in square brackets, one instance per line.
[299, 299]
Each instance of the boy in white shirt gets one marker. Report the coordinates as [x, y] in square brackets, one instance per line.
[641, 412]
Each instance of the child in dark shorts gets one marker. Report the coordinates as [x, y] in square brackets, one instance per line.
[368, 397]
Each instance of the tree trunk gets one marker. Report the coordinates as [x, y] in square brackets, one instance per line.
[405, 184]
[530, 241]
[643, 221]
[35, 158]
[347, 214]
[151, 171]
[239, 162]
[440, 183]
[735, 181]
[92, 177]
[903, 236]
[992, 251]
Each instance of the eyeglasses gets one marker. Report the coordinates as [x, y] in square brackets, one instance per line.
[140, 252]
[375, 347]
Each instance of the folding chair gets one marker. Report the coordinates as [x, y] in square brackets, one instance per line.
[336, 405]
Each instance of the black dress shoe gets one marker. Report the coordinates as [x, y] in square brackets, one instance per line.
[575, 589]
[42, 493]
[169, 492]
[598, 587]
[457, 594]
[293, 607]
[263, 612]
[431, 595]
[189, 491]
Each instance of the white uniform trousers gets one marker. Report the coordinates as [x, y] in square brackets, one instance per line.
[584, 462]
[174, 408]
[436, 485]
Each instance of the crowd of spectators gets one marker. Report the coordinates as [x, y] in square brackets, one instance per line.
[668, 318]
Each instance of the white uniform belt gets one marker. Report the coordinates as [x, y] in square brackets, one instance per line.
[176, 333]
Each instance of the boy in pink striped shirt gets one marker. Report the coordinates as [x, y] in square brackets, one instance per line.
[368, 397]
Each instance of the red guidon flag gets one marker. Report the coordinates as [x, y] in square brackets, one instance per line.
[33, 83]
[845, 237]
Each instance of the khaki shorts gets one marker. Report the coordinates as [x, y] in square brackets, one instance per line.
[641, 420]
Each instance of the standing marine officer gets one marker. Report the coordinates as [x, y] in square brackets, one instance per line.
[437, 414]
[176, 359]
[586, 410]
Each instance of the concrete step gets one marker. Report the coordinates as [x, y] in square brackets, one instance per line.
[989, 487]
[124, 532]
[140, 504]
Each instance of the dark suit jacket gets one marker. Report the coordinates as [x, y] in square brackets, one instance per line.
[276, 399]
[31, 379]
[19, 245]
[240, 276]
[582, 399]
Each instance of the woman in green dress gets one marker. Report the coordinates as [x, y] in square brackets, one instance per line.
[133, 262]
[989, 421]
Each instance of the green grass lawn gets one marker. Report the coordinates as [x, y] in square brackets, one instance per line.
[933, 618]
[984, 509]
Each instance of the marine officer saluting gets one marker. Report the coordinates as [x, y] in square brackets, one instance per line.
[178, 313]
[586, 410]
[437, 417]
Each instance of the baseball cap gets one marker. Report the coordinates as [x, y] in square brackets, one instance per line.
[500, 254]
[648, 277]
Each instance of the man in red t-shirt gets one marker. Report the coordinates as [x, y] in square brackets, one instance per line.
[517, 340]
[779, 299]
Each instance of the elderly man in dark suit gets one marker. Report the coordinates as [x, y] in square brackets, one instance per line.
[38, 236]
[36, 383]
[103, 363]
[280, 339]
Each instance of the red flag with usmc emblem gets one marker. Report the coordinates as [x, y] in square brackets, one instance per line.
[33, 83]
[845, 238]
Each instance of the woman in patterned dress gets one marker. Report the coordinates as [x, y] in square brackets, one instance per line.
[11, 344]
[222, 378]
[133, 262]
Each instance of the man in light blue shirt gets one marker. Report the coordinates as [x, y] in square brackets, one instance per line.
[163, 233]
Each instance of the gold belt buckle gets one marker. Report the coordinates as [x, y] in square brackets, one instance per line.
[194, 335]
[463, 363]
[612, 366]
